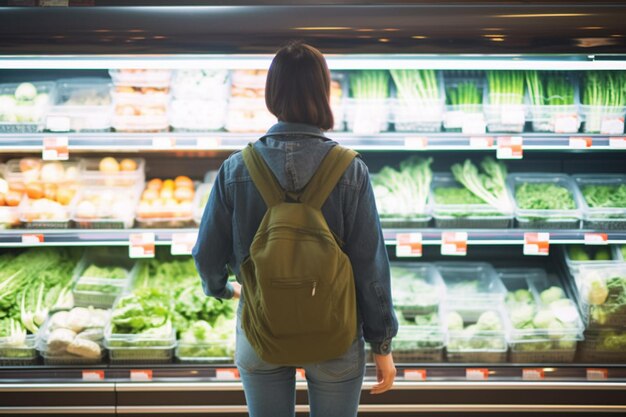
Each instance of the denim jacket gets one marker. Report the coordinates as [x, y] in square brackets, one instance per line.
[235, 209]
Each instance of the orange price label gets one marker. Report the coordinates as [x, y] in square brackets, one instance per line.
[409, 244]
[415, 142]
[612, 126]
[597, 374]
[207, 142]
[536, 244]
[596, 239]
[617, 142]
[142, 375]
[477, 374]
[141, 245]
[93, 375]
[32, 239]
[580, 142]
[510, 147]
[55, 149]
[300, 374]
[227, 373]
[454, 243]
[183, 243]
[533, 374]
[160, 142]
[481, 142]
[415, 374]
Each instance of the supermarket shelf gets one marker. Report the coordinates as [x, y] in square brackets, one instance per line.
[120, 237]
[392, 141]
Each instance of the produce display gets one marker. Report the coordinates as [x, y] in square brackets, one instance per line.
[544, 197]
[247, 111]
[199, 100]
[103, 274]
[73, 337]
[368, 107]
[104, 208]
[471, 283]
[112, 172]
[476, 334]
[419, 100]
[604, 200]
[82, 105]
[603, 295]
[464, 99]
[504, 104]
[417, 291]
[603, 346]
[604, 101]
[166, 203]
[9, 200]
[402, 194]
[23, 106]
[553, 102]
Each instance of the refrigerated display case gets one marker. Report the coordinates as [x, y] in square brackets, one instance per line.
[121, 92]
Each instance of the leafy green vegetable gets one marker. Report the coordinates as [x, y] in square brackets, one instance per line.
[607, 299]
[141, 311]
[108, 272]
[605, 92]
[403, 192]
[489, 185]
[454, 196]
[505, 87]
[203, 340]
[543, 196]
[486, 333]
[412, 295]
[600, 196]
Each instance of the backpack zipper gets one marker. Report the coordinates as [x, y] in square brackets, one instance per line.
[296, 284]
[314, 287]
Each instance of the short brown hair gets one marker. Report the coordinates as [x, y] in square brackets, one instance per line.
[298, 86]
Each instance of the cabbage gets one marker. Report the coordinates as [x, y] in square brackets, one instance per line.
[552, 294]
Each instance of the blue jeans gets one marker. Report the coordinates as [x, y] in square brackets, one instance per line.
[334, 386]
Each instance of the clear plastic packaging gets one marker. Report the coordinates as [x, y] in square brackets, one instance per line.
[603, 346]
[557, 118]
[91, 175]
[138, 112]
[105, 208]
[392, 216]
[175, 214]
[141, 77]
[466, 118]
[471, 283]
[603, 119]
[26, 114]
[190, 114]
[596, 190]
[476, 333]
[209, 85]
[367, 116]
[248, 115]
[592, 252]
[504, 117]
[82, 105]
[200, 200]
[44, 214]
[417, 288]
[215, 352]
[139, 348]
[12, 354]
[34, 170]
[9, 217]
[415, 115]
[100, 291]
[546, 218]
[545, 323]
[450, 216]
[601, 293]
[419, 344]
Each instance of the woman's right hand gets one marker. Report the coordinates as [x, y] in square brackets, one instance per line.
[385, 373]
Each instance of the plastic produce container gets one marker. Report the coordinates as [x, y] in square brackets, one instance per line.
[545, 218]
[100, 286]
[248, 115]
[468, 283]
[141, 77]
[465, 118]
[44, 214]
[600, 204]
[592, 252]
[603, 119]
[603, 346]
[9, 217]
[476, 333]
[545, 323]
[12, 354]
[388, 210]
[414, 115]
[137, 112]
[504, 117]
[367, 116]
[474, 215]
[190, 115]
[82, 105]
[417, 288]
[138, 348]
[91, 175]
[557, 118]
[419, 344]
[29, 115]
[105, 208]
[602, 290]
[215, 353]
[203, 84]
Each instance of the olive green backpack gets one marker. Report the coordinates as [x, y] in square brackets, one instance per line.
[299, 296]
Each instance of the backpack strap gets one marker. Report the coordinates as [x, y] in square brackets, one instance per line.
[263, 178]
[337, 160]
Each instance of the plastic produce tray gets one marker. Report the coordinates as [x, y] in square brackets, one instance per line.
[599, 119]
[505, 117]
[367, 116]
[136, 348]
[574, 266]
[82, 105]
[183, 357]
[409, 115]
[90, 174]
[546, 219]
[410, 344]
[599, 311]
[557, 118]
[28, 127]
[601, 218]
[141, 77]
[248, 115]
[593, 350]
[462, 216]
[62, 360]
[119, 215]
[518, 354]
[404, 276]
[488, 290]
[18, 355]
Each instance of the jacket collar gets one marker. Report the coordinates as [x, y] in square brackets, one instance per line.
[299, 129]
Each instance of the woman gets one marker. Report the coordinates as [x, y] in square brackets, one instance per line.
[297, 93]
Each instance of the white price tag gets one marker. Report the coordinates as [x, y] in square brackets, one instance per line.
[141, 245]
[617, 142]
[512, 116]
[93, 376]
[510, 147]
[566, 124]
[597, 374]
[415, 142]
[55, 149]
[415, 374]
[454, 243]
[536, 374]
[537, 244]
[477, 374]
[474, 125]
[580, 142]
[596, 239]
[454, 119]
[229, 374]
[141, 375]
[207, 142]
[163, 142]
[183, 243]
[612, 126]
[58, 123]
[32, 239]
[408, 244]
[300, 374]
[481, 142]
